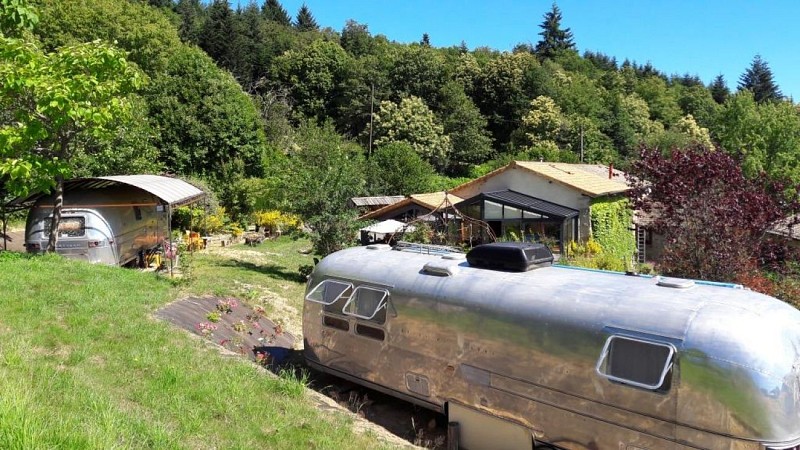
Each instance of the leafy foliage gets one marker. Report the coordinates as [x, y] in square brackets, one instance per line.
[207, 123]
[326, 171]
[714, 219]
[397, 169]
[315, 77]
[611, 221]
[764, 137]
[412, 122]
[466, 127]
[16, 16]
[276, 220]
[59, 101]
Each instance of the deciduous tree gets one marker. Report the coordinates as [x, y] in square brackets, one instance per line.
[315, 77]
[714, 219]
[59, 101]
[500, 94]
[356, 38]
[419, 71]
[397, 169]
[764, 137]
[204, 119]
[467, 129]
[412, 122]
[325, 172]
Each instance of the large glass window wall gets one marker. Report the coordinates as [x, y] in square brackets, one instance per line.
[509, 222]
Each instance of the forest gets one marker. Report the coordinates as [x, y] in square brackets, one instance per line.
[273, 111]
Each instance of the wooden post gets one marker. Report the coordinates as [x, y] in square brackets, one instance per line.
[452, 435]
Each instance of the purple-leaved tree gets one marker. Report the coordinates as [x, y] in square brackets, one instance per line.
[714, 219]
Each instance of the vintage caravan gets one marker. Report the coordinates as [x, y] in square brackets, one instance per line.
[108, 220]
[523, 354]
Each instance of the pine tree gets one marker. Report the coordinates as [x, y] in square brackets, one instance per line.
[305, 20]
[719, 89]
[554, 39]
[274, 11]
[250, 62]
[191, 14]
[426, 40]
[219, 31]
[758, 80]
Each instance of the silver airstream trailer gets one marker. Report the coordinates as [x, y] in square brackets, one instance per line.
[558, 356]
[108, 220]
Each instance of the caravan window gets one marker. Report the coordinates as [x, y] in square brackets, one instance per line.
[67, 227]
[636, 362]
[367, 303]
[332, 294]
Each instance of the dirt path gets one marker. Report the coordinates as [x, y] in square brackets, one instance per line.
[16, 243]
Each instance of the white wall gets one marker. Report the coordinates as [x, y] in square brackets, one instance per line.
[528, 183]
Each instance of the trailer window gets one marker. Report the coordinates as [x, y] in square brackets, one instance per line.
[636, 362]
[67, 227]
[137, 213]
[335, 322]
[370, 332]
[367, 303]
[330, 292]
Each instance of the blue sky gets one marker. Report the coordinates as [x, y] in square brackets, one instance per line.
[699, 37]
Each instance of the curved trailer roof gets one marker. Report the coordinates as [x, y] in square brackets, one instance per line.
[172, 191]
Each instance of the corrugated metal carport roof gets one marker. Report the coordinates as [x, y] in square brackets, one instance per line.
[172, 191]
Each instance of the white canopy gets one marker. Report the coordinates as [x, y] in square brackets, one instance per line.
[388, 227]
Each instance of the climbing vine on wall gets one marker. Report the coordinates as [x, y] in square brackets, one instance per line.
[611, 222]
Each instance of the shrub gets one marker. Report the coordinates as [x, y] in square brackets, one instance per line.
[276, 220]
[197, 218]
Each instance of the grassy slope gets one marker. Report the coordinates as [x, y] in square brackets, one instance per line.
[83, 365]
[247, 270]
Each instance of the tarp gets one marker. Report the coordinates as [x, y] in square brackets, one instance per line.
[388, 227]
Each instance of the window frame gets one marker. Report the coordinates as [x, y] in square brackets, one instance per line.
[382, 304]
[63, 222]
[602, 362]
[349, 286]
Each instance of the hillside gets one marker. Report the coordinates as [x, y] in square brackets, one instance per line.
[86, 364]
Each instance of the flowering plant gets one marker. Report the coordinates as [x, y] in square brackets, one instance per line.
[226, 306]
[262, 358]
[206, 329]
[240, 326]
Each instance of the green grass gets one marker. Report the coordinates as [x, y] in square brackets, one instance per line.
[249, 271]
[84, 365]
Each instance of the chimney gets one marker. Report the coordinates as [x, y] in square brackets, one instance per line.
[610, 170]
